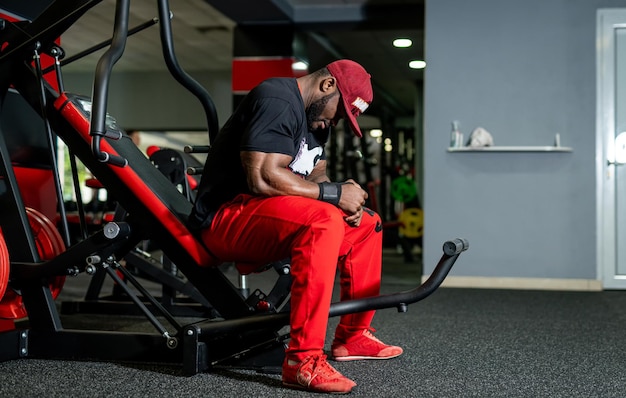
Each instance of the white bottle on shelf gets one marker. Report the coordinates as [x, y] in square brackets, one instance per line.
[456, 137]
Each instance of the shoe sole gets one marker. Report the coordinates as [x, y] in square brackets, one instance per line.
[303, 388]
[362, 357]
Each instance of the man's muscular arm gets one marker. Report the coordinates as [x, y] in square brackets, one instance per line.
[319, 173]
[268, 175]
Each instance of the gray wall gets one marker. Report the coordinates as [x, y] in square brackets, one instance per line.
[155, 101]
[523, 70]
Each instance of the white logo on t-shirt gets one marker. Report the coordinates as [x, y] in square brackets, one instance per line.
[306, 159]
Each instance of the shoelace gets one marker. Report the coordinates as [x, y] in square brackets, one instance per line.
[368, 334]
[321, 367]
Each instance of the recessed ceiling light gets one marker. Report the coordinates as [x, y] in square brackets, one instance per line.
[300, 65]
[402, 43]
[416, 64]
[375, 133]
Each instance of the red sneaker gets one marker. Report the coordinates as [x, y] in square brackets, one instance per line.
[363, 346]
[315, 374]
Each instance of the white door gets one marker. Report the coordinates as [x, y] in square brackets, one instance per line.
[611, 147]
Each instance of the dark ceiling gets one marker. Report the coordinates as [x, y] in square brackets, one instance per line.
[362, 30]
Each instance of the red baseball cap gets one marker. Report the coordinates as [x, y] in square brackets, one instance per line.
[355, 86]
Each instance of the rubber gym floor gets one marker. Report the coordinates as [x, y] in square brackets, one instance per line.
[458, 343]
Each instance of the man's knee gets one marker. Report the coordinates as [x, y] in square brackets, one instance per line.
[329, 215]
[371, 218]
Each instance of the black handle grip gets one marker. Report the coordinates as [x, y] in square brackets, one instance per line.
[400, 300]
[194, 171]
[112, 159]
[196, 148]
[455, 246]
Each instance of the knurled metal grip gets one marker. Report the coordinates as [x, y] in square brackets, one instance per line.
[330, 192]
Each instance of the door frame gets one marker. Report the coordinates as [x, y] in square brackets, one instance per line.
[608, 20]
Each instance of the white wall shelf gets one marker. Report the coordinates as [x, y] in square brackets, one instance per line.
[512, 149]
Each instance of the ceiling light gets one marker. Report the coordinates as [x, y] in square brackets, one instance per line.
[402, 43]
[416, 64]
[375, 133]
[299, 65]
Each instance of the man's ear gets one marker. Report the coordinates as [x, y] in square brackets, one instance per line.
[328, 84]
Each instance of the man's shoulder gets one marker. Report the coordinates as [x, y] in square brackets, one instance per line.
[277, 87]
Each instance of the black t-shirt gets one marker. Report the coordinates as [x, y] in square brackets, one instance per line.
[270, 119]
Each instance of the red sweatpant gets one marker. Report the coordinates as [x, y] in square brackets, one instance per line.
[259, 230]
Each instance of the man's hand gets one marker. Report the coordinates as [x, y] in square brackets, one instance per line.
[352, 200]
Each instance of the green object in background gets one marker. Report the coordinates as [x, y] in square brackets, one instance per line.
[403, 189]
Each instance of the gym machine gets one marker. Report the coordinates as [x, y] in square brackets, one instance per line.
[34, 262]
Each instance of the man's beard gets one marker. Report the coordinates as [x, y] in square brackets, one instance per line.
[315, 110]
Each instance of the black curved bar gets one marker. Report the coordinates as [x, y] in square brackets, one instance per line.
[101, 83]
[101, 45]
[452, 250]
[181, 76]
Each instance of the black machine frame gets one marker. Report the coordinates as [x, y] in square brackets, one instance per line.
[243, 335]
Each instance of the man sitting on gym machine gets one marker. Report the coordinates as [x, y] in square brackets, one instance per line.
[265, 196]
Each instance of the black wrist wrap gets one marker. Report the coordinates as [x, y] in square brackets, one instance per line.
[330, 192]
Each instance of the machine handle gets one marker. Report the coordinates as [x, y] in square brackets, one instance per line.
[101, 83]
[451, 251]
[455, 246]
[399, 300]
[196, 148]
[182, 77]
